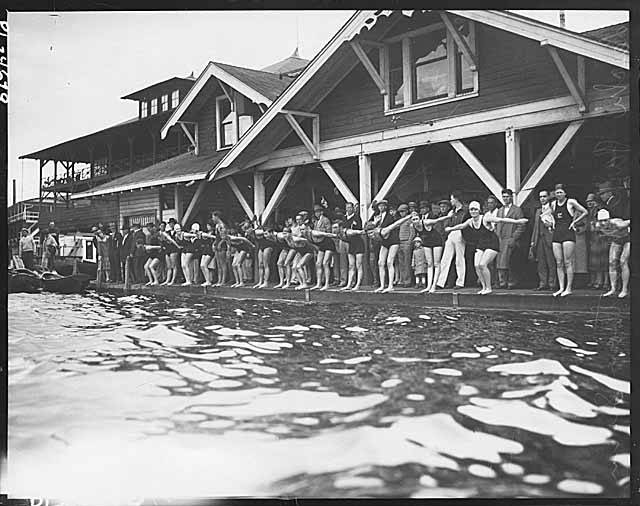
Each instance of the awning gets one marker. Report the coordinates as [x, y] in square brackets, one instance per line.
[179, 169]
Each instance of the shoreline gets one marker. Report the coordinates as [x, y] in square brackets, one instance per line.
[514, 300]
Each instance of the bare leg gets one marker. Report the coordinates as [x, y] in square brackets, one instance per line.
[428, 254]
[568, 249]
[326, 264]
[615, 251]
[393, 251]
[319, 268]
[352, 271]
[626, 272]
[359, 270]
[559, 256]
[477, 261]
[382, 267]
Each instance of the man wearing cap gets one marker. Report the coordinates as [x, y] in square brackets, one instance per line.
[541, 245]
[413, 207]
[508, 235]
[26, 248]
[406, 233]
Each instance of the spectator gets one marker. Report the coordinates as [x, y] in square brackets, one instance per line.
[341, 256]
[541, 244]
[49, 251]
[406, 233]
[508, 235]
[419, 263]
[598, 246]
[115, 247]
[26, 248]
[139, 253]
[454, 245]
[126, 251]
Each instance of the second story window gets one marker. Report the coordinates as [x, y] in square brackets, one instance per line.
[144, 111]
[175, 98]
[225, 123]
[165, 103]
[428, 68]
[154, 106]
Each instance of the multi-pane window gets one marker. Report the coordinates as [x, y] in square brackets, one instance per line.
[175, 98]
[165, 103]
[429, 67]
[144, 111]
[226, 128]
[154, 106]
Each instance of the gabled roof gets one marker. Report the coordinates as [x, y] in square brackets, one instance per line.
[259, 86]
[291, 64]
[147, 92]
[613, 35]
[365, 20]
[182, 168]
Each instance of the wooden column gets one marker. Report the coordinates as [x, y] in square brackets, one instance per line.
[55, 177]
[259, 195]
[42, 162]
[177, 202]
[512, 140]
[364, 185]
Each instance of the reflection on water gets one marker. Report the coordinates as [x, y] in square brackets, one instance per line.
[188, 397]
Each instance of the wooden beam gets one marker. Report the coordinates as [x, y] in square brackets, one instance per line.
[228, 93]
[338, 182]
[300, 113]
[372, 43]
[462, 44]
[278, 193]
[532, 181]
[177, 202]
[194, 202]
[188, 134]
[568, 80]
[406, 72]
[480, 170]
[243, 202]
[512, 145]
[394, 174]
[196, 135]
[366, 62]
[582, 74]
[303, 136]
[364, 186]
[259, 195]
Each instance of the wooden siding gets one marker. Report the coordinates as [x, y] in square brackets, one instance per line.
[207, 127]
[81, 214]
[513, 70]
[139, 202]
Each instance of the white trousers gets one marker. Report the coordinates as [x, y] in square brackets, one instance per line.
[453, 247]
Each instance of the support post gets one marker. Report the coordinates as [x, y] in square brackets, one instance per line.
[177, 202]
[91, 165]
[127, 274]
[259, 195]
[461, 43]
[364, 185]
[512, 141]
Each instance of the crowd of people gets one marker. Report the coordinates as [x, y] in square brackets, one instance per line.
[423, 245]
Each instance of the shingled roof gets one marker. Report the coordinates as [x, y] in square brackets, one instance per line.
[613, 35]
[266, 83]
[181, 168]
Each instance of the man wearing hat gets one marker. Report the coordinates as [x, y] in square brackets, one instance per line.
[26, 248]
[541, 245]
[139, 253]
[508, 235]
[406, 234]
[413, 207]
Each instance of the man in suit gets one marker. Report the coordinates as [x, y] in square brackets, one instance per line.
[508, 235]
[115, 250]
[126, 251]
[405, 253]
[541, 245]
[138, 253]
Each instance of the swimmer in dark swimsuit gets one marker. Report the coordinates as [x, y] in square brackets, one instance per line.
[353, 232]
[284, 270]
[188, 252]
[619, 232]
[566, 213]
[305, 249]
[487, 243]
[207, 262]
[432, 244]
[243, 246]
[172, 251]
[321, 237]
[264, 247]
[154, 250]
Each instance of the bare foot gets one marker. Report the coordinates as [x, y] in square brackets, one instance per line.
[345, 288]
[565, 293]
[324, 288]
[286, 285]
[481, 292]
[487, 292]
[555, 294]
[609, 293]
[315, 287]
[355, 288]
[388, 290]
[378, 290]
[623, 294]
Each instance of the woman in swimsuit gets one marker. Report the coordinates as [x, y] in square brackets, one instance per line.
[242, 246]
[486, 241]
[284, 269]
[293, 257]
[188, 253]
[180, 241]
[566, 213]
[619, 231]
[305, 250]
[353, 232]
[154, 250]
[321, 236]
[220, 247]
[266, 245]
[171, 251]
[432, 244]
[205, 244]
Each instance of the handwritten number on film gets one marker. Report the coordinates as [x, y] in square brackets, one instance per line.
[4, 67]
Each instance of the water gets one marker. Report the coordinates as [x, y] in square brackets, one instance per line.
[183, 396]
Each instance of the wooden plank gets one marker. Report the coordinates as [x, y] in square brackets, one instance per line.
[478, 168]
[462, 44]
[366, 62]
[228, 93]
[302, 135]
[300, 113]
[338, 182]
[188, 134]
[243, 202]
[532, 181]
[582, 74]
[452, 63]
[566, 77]
[194, 202]
[364, 186]
[278, 193]
[394, 174]
[406, 72]
[512, 144]
[315, 129]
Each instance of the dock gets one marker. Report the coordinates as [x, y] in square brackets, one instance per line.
[588, 301]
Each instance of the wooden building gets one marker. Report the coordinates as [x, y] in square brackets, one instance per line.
[223, 104]
[414, 104]
[78, 165]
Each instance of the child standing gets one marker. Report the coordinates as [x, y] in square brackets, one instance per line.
[419, 263]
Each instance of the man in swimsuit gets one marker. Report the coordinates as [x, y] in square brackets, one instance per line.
[620, 248]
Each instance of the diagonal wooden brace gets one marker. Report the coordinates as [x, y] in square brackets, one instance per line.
[313, 149]
[568, 80]
[366, 62]
[462, 44]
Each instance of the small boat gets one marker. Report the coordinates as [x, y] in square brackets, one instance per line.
[54, 282]
[24, 280]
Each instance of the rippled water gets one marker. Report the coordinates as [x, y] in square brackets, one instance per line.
[183, 396]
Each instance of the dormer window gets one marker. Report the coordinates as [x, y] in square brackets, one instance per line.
[144, 111]
[232, 124]
[165, 103]
[154, 106]
[175, 98]
[426, 67]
